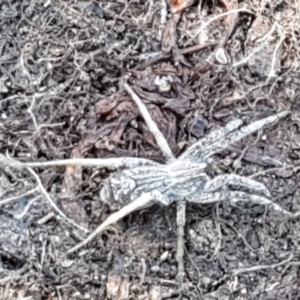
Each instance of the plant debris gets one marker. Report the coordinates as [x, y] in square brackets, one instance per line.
[196, 65]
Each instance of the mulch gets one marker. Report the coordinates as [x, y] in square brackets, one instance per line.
[196, 68]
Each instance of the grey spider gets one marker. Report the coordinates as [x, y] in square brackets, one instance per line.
[142, 182]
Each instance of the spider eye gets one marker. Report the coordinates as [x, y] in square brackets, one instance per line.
[115, 183]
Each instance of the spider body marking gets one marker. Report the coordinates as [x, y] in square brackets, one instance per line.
[176, 181]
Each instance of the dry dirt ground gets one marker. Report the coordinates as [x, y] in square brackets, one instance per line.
[60, 66]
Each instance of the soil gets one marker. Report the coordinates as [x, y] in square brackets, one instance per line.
[61, 63]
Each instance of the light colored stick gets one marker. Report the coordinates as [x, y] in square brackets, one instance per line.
[160, 140]
[18, 197]
[55, 207]
[180, 220]
[140, 202]
[26, 209]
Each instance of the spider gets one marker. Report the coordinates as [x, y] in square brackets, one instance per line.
[140, 183]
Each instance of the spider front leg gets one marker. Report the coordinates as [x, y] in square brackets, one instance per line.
[219, 140]
[223, 181]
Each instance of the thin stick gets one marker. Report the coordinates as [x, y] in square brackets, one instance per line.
[181, 220]
[216, 18]
[262, 267]
[115, 217]
[24, 212]
[263, 39]
[282, 38]
[43, 190]
[160, 140]
[7, 200]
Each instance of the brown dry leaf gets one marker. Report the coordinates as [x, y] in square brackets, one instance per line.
[184, 92]
[180, 5]
[112, 109]
[169, 39]
[71, 184]
[260, 27]
[230, 5]
[178, 105]
[166, 69]
[117, 288]
[148, 83]
[179, 58]
[177, 99]
[120, 127]
[155, 292]
[104, 107]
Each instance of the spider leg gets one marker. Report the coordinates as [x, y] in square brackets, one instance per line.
[221, 139]
[109, 163]
[138, 203]
[160, 140]
[180, 222]
[195, 151]
[236, 196]
[231, 179]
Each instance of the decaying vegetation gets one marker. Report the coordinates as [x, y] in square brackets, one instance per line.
[197, 65]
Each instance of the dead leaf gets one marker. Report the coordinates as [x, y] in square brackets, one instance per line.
[180, 5]
[120, 128]
[71, 185]
[169, 39]
[178, 104]
[117, 288]
[155, 292]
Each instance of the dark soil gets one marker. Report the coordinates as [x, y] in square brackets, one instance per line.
[60, 67]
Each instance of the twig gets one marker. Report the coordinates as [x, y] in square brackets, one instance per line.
[282, 38]
[163, 13]
[161, 141]
[262, 267]
[29, 110]
[5, 201]
[246, 59]
[24, 212]
[285, 167]
[214, 19]
[46, 218]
